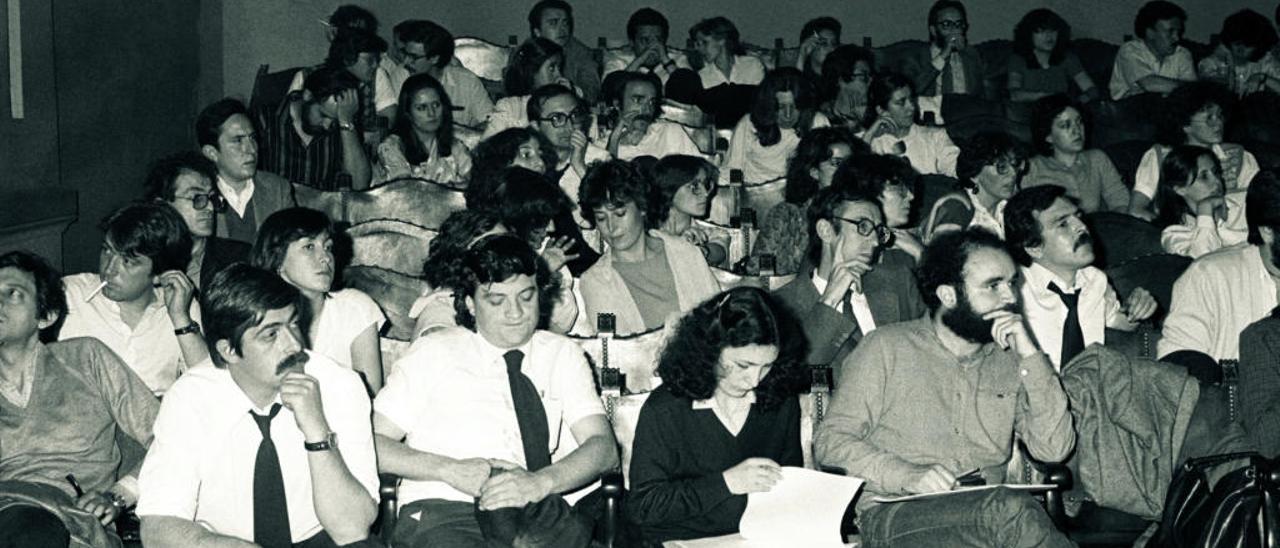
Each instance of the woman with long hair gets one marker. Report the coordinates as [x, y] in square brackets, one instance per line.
[682, 187]
[422, 142]
[1191, 209]
[785, 108]
[1043, 63]
[535, 63]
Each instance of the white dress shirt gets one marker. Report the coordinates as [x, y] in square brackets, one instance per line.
[1135, 61]
[1218, 296]
[346, 314]
[237, 200]
[1045, 312]
[200, 465]
[661, 139]
[857, 300]
[747, 70]
[1147, 178]
[929, 149]
[449, 393]
[149, 348]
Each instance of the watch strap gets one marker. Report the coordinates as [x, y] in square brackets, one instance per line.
[329, 442]
[192, 327]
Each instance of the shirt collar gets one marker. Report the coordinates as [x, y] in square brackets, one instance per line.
[494, 355]
[1039, 278]
[237, 200]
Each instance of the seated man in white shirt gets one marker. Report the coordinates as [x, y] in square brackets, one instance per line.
[1153, 62]
[637, 99]
[246, 449]
[1067, 302]
[139, 303]
[646, 51]
[498, 420]
[1223, 292]
[426, 47]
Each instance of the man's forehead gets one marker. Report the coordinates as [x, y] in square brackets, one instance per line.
[560, 103]
[640, 87]
[854, 210]
[275, 317]
[191, 180]
[950, 14]
[987, 264]
[14, 276]
[1060, 208]
[553, 14]
[510, 286]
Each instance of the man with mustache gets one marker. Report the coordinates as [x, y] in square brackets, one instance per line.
[1067, 302]
[842, 292]
[226, 136]
[637, 98]
[269, 444]
[184, 181]
[924, 402]
[139, 302]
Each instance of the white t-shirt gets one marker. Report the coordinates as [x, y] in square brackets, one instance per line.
[346, 314]
[929, 149]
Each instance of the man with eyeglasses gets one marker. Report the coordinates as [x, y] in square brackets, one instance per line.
[948, 66]
[184, 181]
[426, 47]
[842, 292]
[1068, 303]
[557, 113]
[637, 131]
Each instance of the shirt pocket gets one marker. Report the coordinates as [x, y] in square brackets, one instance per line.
[997, 407]
[555, 416]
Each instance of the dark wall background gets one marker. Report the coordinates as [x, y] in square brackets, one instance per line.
[29, 147]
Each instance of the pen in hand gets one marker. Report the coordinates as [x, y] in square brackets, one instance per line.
[71, 478]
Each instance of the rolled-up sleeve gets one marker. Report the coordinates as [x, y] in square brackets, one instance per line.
[169, 484]
[1043, 422]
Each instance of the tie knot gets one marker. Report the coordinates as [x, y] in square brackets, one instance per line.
[1068, 299]
[514, 358]
[264, 421]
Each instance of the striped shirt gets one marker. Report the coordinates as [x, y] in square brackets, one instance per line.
[281, 150]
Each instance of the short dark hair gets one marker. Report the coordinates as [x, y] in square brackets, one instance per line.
[945, 258]
[328, 81]
[494, 155]
[535, 13]
[413, 147]
[875, 172]
[647, 17]
[527, 201]
[1262, 205]
[670, 174]
[349, 16]
[944, 5]
[1021, 228]
[1037, 20]
[209, 121]
[540, 96]
[444, 256]
[824, 206]
[883, 87]
[237, 299]
[1250, 28]
[283, 228]
[347, 46]
[1183, 103]
[721, 28]
[815, 148]
[819, 24]
[981, 150]
[152, 230]
[163, 174]
[1153, 12]
[612, 183]
[436, 40]
[51, 297]
[1177, 170]
[738, 317]
[616, 85]
[496, 259]
[1043, 112]
[764, 108]
[526, 60]
[840, 65]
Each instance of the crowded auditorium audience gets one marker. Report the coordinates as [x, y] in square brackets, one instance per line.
[545, 294]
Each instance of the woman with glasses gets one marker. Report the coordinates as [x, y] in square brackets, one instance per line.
[422, 142]
[644, 277]
[1191, 209]
[989, 167]
[784, 231]
[724, 421]
[535, 63]
[783, 111]
[846, 79]
[682, 187]
[895, 131]
[1058, 135]
[1043, 63]
[1195, 114]
[185, 181]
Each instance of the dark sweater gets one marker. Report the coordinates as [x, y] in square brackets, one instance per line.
[679, 456]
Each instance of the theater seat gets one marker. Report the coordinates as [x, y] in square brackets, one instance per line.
[1118, 238]
[486, 59]
[1097, 57]
[395, 294]
[270, 88]
[391, 245]
[1155, 273]
[1126, 155]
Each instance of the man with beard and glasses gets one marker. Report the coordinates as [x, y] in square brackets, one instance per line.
[925, 402]
[638, 131]
[1068, 303]
[948, 65]
[269, 444]
[1223, 292]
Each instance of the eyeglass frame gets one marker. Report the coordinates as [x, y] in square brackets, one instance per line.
[1003, 165]
[865, 227]
[199, 201]
[952, 25]
[576, 115]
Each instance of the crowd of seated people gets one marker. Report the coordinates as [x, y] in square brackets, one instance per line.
[948, 282]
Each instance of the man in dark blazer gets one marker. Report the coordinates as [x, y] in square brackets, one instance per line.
[841, 292]
[227, 137]
[948, 61]
[184, 181]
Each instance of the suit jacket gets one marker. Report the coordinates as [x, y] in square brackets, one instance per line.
[1259, 383]
[891, 293]
[218, 253]
[271, 193]
[918, 67]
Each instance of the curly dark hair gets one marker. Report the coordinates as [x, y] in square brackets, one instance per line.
[738, 317]
[1184, 102]
[51, 296]
[1178, 170]
[162, 177]
[883, 87]
[1250, 28]
[444, 258]
[612, 183]
[495, 259]
[670, 174]
[495, 154]
[1043, 112]
[815, 148]
[1035, 21]
[526, 60]
[982, 150]
[526, 202]
[150, 229]
[945, 257]
[875, 173]
[839, 67]
[414, 150]
[764, 108]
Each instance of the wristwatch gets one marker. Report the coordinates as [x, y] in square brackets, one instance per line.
[329, 442]
[347, 126]
[192, 327]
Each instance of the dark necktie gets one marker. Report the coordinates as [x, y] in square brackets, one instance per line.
[270, 509]
[847, 311]
[1072, 334]
[530, 415]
